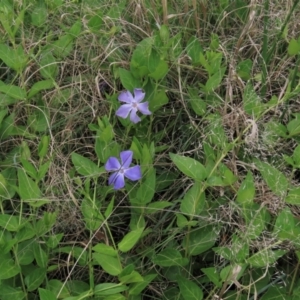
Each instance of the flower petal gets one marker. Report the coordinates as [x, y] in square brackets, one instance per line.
[112, 164]
[143, 108]
[124, 110]
[126, 158]
[117, 179]
[134, 118]
[133, 173]
[126, 97]
[139, 95]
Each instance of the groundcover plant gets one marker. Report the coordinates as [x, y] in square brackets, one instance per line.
[149, 149]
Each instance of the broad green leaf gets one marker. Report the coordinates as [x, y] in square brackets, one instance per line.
[56, 286]
[13, 91]
[10, 222]
[194, 49]
[80, 254]
[293, 196]
[39, 14]
[244, 69]
[7, 292]
[189, 290]
[105, 289]
[182, 221]
[294, 47]
[128, 81]
[43, 146]
[256, 217]
[45, 223]
[105, 249]
[161, 71]
[200, 240]
[137, 288]
[28, 189]
[198, 105]
[48, 66]
[146, 190]
[275, 180]
[77, 287]
[46, 295]
[130, 239]
[213, 274]
[16, 58]
[252, 103]
[133, 277]
[194, 200]
[95, 22]
[38, 120]
[265, 257]
[41, 257]
[158, 100]
[41, 86]
[189, 166]
[246, 192]
[84, 166]
[157, 206]
[110, 265]
[215, 80]
[284, 225]
[277, 293]
[293, 127]
[8, 267]
[63, 46]
[25, 252]
[169, 257]
[296, 156]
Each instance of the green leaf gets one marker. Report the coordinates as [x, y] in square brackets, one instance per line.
[189, 166]
[137, 288]
[294, 127]
[160, 71]
[133, 277]
[252, 103]
[169, 257]
[95, 22]
[7, 292]
[39, 14]
[55, 286]
[128, 81]
[110, 265]
[246, 192]
[294, 47]
[244, 69]
[157, 206]
[265, 257]
[146, 191]
[13, 91]
[46, 295]
[215, 80]
[43, 146]
[105, 289]
[63, 46]
[48, 66]
[296, 156]
[28, 189]
[10, 222]
[40, 256]
[194, 49]
[41, 86]
[105, 249]
[201, 240]
[8, 267]
[284, 225]
[130, 239]
[277, 293]
[293, 196]
[189, 290]
[159, 99]
[35, 279]
[198, 105]
[256, 217]
[275, 180]
[193, 201]
[15, 59]
[84, 166]
[213, 274]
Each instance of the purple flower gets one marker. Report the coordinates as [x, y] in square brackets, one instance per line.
[133, 104]
[122, 170]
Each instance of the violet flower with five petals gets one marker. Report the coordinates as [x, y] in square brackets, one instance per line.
[133, 105]
[122, 170]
